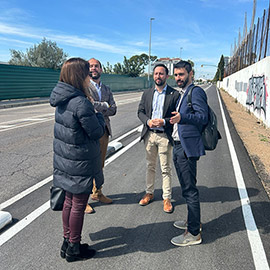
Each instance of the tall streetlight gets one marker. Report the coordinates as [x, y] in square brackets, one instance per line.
[181, 48]
[219, 71]
[151, 19]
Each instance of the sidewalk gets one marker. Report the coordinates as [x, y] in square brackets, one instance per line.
[22, 102]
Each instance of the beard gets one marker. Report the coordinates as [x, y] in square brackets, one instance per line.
[181, 83]
[95, 75]
[160, 82]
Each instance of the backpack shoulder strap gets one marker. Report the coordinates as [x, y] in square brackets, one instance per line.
[189, 95]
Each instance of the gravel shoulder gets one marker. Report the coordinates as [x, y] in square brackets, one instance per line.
[255, 136]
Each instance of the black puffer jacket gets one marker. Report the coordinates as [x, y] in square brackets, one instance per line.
[76, 147]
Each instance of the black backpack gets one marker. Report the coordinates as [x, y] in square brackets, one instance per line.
[210, 134]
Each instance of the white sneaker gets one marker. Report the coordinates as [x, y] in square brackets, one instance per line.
[180, 224]
[186, 239]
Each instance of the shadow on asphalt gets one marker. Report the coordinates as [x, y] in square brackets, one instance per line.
[215, 194]
[117, 241]
[155, 237]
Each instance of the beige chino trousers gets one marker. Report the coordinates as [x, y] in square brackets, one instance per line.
[157, 144]
[103, 141]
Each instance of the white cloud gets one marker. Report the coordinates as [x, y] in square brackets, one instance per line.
[18, 31]
[65, 39]
[15, 41]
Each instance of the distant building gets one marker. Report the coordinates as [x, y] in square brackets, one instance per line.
[6, 63]
[168, 62]
[201, 79]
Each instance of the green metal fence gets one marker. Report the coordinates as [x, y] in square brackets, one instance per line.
[26, 82]
[18, 82]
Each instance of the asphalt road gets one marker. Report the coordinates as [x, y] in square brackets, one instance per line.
[235, 208]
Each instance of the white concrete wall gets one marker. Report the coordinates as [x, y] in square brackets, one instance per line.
[251, 87]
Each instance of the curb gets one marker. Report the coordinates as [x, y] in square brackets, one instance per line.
[113, 147]
[20, 103]
[6, 218]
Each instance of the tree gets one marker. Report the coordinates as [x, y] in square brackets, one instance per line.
[133, 67]
[220, 70]
[192, 65]
[108, 69]
[46, 54]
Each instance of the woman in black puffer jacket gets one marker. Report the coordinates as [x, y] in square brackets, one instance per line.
[77, 160]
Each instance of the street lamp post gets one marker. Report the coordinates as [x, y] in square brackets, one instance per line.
[219, 71]
[149, 64]
[181, 48]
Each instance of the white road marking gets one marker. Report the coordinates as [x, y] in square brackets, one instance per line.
[126, 134]
[122, 151]
[4, 237]
[25, 125]
[18, 123]
[127, 101]
[25, 193]
[257, 249]
[28, 119]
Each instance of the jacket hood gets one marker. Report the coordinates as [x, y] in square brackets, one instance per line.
[62, 93]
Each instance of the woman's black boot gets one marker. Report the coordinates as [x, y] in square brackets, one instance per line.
[78, 252]
[64, 248]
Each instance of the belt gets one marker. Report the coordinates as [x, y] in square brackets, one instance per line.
[177, 142]
[157, 131]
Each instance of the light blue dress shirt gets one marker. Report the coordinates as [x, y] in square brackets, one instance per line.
[158, 104]
[98, 87]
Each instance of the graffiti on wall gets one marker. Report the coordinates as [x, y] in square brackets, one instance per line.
[256, 93]
[240, 86]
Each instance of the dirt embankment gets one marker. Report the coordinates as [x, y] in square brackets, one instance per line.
[255, 136]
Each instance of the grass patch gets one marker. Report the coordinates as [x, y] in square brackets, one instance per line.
[263, 138]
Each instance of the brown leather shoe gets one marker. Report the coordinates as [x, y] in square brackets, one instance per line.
[99, 196]
[104, 199]
[146, 199]
[167, 206]
[89, 209]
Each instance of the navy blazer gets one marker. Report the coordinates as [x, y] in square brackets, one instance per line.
[145, 110]
[191, 123]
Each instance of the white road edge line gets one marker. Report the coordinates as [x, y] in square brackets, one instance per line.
[257, 249]
[4, 237]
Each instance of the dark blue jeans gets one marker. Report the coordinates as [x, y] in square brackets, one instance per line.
[186, 169]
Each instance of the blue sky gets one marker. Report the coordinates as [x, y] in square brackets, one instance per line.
[110, 30]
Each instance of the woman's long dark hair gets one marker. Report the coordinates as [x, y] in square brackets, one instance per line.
[74, 72]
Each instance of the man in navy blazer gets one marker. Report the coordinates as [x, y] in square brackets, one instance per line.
[188, 147]
[154, 111]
